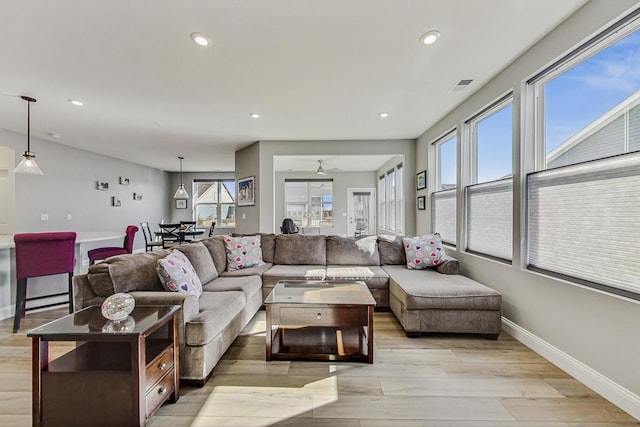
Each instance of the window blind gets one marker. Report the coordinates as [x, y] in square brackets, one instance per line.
[443, 215]
[583, 223]
[490, 218]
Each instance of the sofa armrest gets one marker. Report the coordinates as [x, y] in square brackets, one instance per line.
[451, 266]
[188, 302]
[83, 295]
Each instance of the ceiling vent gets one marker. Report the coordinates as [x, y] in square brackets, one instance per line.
[461, 85]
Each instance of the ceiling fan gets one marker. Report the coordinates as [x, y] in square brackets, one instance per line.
[320, 170]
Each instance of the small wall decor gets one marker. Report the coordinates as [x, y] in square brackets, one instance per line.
[181, 204]
[421, 203]
[124, 180]
[137, 196]
[101, 185]
[421, 180]
[246, 191]
[115, 201]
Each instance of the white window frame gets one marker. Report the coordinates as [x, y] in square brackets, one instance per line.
[309, 221]
[218, 203]
[391, 200]
[436, 192]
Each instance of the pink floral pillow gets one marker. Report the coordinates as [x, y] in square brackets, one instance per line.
[178, 275]
[423, 251]
[243, 252]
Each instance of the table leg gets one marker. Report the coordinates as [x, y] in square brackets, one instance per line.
[173, 335]
[370, 335]
[268, 333]
[39, 363]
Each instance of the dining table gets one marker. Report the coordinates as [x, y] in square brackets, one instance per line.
[180, 234]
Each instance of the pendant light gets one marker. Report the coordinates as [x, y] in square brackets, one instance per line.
[181, 193]
[28, 163]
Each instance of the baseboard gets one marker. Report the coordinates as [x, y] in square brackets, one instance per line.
[7, 311]
[607, 388]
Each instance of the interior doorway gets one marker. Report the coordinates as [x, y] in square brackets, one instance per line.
[7, 192]
[361, 208]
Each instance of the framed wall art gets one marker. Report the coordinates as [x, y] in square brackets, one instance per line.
[181, 204]
[246, 192]
[421, 180]
[421, 203]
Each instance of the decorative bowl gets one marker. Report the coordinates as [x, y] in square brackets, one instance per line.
[118, 306]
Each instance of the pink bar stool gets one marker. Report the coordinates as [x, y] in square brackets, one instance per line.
[42, 254]
[127, 248]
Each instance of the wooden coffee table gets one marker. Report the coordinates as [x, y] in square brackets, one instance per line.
[119, 373]
[320, 320]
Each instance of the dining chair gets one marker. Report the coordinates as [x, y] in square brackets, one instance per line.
[99, 254]
[170, 234]
[213, 225]
[149, 241]
[42, 254]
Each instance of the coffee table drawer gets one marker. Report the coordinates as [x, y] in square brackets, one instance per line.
[323, 316]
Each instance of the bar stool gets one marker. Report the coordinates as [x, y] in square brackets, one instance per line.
[42, 254]
[127, 247]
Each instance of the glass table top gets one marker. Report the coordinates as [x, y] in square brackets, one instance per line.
[90, 321]
[320, 292]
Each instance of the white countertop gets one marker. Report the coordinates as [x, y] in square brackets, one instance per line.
[6, 241]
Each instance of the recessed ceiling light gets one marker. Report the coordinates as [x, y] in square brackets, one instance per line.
[255, 115]
[201, 39]
[76, 102]
[383, 115]
[430, 37]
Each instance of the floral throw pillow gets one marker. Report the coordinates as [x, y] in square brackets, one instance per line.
[178, 275]
[243, 252]
[423, 251]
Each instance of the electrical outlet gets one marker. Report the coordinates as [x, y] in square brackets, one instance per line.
[44, 217]
[244, 216]
[69, 217]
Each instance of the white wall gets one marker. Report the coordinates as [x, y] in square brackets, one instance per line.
[591, 334]
[341, 181]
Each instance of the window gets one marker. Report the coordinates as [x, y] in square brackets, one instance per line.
[443, 199]
[309, 203]
[391, 200]
[489, 197]
[214, 200]
[582, 203]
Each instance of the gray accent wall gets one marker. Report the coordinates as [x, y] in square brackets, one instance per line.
[248, 162]
[593, 335]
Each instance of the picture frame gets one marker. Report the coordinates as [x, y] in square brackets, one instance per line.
[421, 180]
[246, 191]
[102, 185]
[124, 180]
[116, 202]
[137, 196]
[421, 203]
[181, 203]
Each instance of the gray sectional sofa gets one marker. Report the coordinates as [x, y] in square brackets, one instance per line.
[431, 300]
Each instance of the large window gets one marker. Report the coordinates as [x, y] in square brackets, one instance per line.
[583, 202]
[309, 203]
[489, 195]
[214, 200]
[443, 199]
[391, 205]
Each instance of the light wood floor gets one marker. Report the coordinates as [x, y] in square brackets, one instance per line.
[430, 381]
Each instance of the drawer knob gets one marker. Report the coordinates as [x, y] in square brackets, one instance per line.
[162, 390]
[319, 316]
[162, 366]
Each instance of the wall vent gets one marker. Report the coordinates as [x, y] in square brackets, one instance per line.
[461, 85]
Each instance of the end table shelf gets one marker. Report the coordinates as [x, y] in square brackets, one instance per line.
[110, 378]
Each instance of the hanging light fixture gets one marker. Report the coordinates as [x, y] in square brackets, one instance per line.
[181, 193]
[28, 163]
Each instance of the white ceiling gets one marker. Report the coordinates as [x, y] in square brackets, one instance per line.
[331, 163]
[314, 70]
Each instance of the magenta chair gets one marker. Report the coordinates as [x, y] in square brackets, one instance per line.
[42, 254]
[127, 248]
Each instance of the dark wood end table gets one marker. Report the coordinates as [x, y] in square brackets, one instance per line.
[119, 374]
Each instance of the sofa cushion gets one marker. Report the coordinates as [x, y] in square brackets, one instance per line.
[391, 250]
[243, 252]
[425, 289]
[178, 275]
[374, 276]
[125, 273]
[423, 251]
[248, 285]
[349, 251]
[217, 310]
[218, 252]
[258, 270]
[267, 244]
[298, 249]
[201, 260]
[292, 272]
